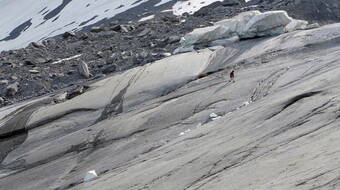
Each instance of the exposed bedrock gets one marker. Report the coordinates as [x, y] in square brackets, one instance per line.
[153, 127]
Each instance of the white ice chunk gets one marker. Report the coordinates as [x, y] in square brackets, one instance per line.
[213, 115]
[90, 175]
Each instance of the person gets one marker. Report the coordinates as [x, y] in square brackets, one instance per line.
[232, 76]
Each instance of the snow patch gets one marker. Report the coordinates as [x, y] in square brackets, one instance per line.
[213, 115]
[161, 3]
[166, 11]
[147, 18]
[186, 131]
[190, 6]
[245, 103]
[25, 21]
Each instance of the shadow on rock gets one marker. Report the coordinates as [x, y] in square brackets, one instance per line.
[13, 132]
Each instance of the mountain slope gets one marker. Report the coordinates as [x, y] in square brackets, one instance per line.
[25, 21]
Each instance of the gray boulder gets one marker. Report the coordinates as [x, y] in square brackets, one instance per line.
[312, 26]
[12, 89]
[41, 60]
[38, 44]
[126, 28]
[4, 82]
[68, 34]
[74, 92]
[122, 28]
[84, 69]
[60, 97]
[115, 28]
[97, 29]
[145, 32]
[34, 71]
[173, 39]
[29, 62]
[110, 69]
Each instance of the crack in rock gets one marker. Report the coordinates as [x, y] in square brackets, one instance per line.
[294, 100]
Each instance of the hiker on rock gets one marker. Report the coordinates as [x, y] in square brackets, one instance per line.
[232, 76]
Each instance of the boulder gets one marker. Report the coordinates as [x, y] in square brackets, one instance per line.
[146, 31]
[3, 82]
[100, 54]
[60, 97]
[296, 25]
[125, 28]
[29, 62]
[170, 18]
[112, 59]
[84, 70]
[152, 44]
[12, 89]
[144, 54]
[55, 75]
[173, 39]
[166, 54]
[8, 63]
[110, 69]
[97, 29]
[116, 28]
[34, 71]
[68, 34]
[122, 28]
[312, 26]
[75, 92]
[40, 60]
[38, 44]
[84, 36]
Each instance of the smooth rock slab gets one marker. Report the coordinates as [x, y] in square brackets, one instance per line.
[149, 127]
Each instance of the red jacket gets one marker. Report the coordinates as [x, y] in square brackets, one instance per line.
[232, 74]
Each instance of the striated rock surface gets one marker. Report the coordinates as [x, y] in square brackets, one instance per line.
[150, 127]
